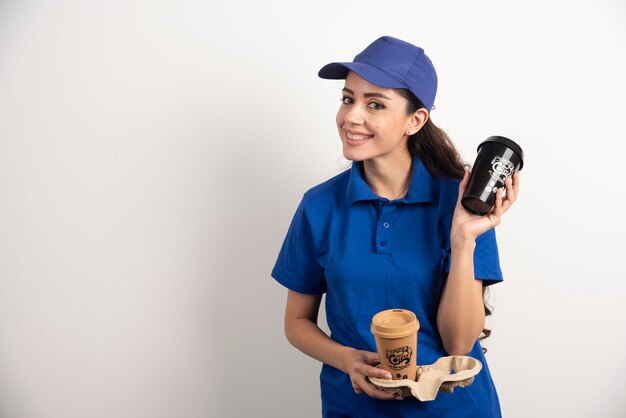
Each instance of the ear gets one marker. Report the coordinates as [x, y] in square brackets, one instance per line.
[416, 121]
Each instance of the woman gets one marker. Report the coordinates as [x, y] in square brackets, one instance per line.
[391, 233]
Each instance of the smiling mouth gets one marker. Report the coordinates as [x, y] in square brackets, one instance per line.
[357, 137]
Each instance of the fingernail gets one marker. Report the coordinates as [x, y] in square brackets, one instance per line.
[399, 398]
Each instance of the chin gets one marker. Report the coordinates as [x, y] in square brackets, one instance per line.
[353, 156]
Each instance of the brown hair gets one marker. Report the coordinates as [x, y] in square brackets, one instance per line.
[440, 157]
[432, 145]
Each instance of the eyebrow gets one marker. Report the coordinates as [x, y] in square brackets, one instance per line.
[380, 95]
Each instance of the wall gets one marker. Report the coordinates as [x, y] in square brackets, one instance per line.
[152, 155]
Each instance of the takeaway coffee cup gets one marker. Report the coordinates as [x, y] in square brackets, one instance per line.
[498, 157]
[395, 332]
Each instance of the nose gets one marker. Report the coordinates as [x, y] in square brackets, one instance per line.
[354, 115]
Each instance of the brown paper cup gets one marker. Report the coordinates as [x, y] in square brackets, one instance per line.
[395, 332]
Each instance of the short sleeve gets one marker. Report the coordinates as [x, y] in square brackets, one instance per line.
[297, 267]
[486, 259]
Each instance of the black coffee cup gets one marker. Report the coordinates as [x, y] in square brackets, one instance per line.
[498, 157]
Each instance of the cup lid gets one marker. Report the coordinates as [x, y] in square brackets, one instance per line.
[507, 142]
[394, 323]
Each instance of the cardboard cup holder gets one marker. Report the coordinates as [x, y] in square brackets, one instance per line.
[442, 376]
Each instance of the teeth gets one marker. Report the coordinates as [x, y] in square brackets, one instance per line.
[356, 137]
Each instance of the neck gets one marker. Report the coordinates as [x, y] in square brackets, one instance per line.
[388, 178]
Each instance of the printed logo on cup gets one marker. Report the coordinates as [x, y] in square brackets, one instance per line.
[501, 167]
[399, 358]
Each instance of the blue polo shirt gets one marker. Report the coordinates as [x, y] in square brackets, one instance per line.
[369, 254]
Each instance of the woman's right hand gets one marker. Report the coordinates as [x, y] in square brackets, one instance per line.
[359, 365]
[302, 331]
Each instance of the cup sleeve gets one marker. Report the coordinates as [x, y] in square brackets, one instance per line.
[297, 267]
[486, 259]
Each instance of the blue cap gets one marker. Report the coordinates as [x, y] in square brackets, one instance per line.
[391, 63]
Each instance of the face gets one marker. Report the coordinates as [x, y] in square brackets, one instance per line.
[373, 122]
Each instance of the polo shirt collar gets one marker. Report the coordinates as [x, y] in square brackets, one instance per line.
[421, 189]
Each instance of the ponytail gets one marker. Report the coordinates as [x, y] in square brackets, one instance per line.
[432, 145]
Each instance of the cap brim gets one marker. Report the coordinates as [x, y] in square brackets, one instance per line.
[371, 74]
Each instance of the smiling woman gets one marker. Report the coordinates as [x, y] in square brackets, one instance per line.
[391, 233]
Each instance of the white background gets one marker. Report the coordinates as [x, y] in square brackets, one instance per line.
[152, 154]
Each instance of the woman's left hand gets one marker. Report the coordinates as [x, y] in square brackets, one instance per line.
[466, 226]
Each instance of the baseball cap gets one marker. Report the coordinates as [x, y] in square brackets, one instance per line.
[391, 63]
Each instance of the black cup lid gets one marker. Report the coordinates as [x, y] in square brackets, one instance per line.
[509, 143]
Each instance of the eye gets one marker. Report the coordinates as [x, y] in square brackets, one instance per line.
[347, 100]
[376, 106]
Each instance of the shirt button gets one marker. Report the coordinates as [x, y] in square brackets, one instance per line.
[383, 243]
[386, 225]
